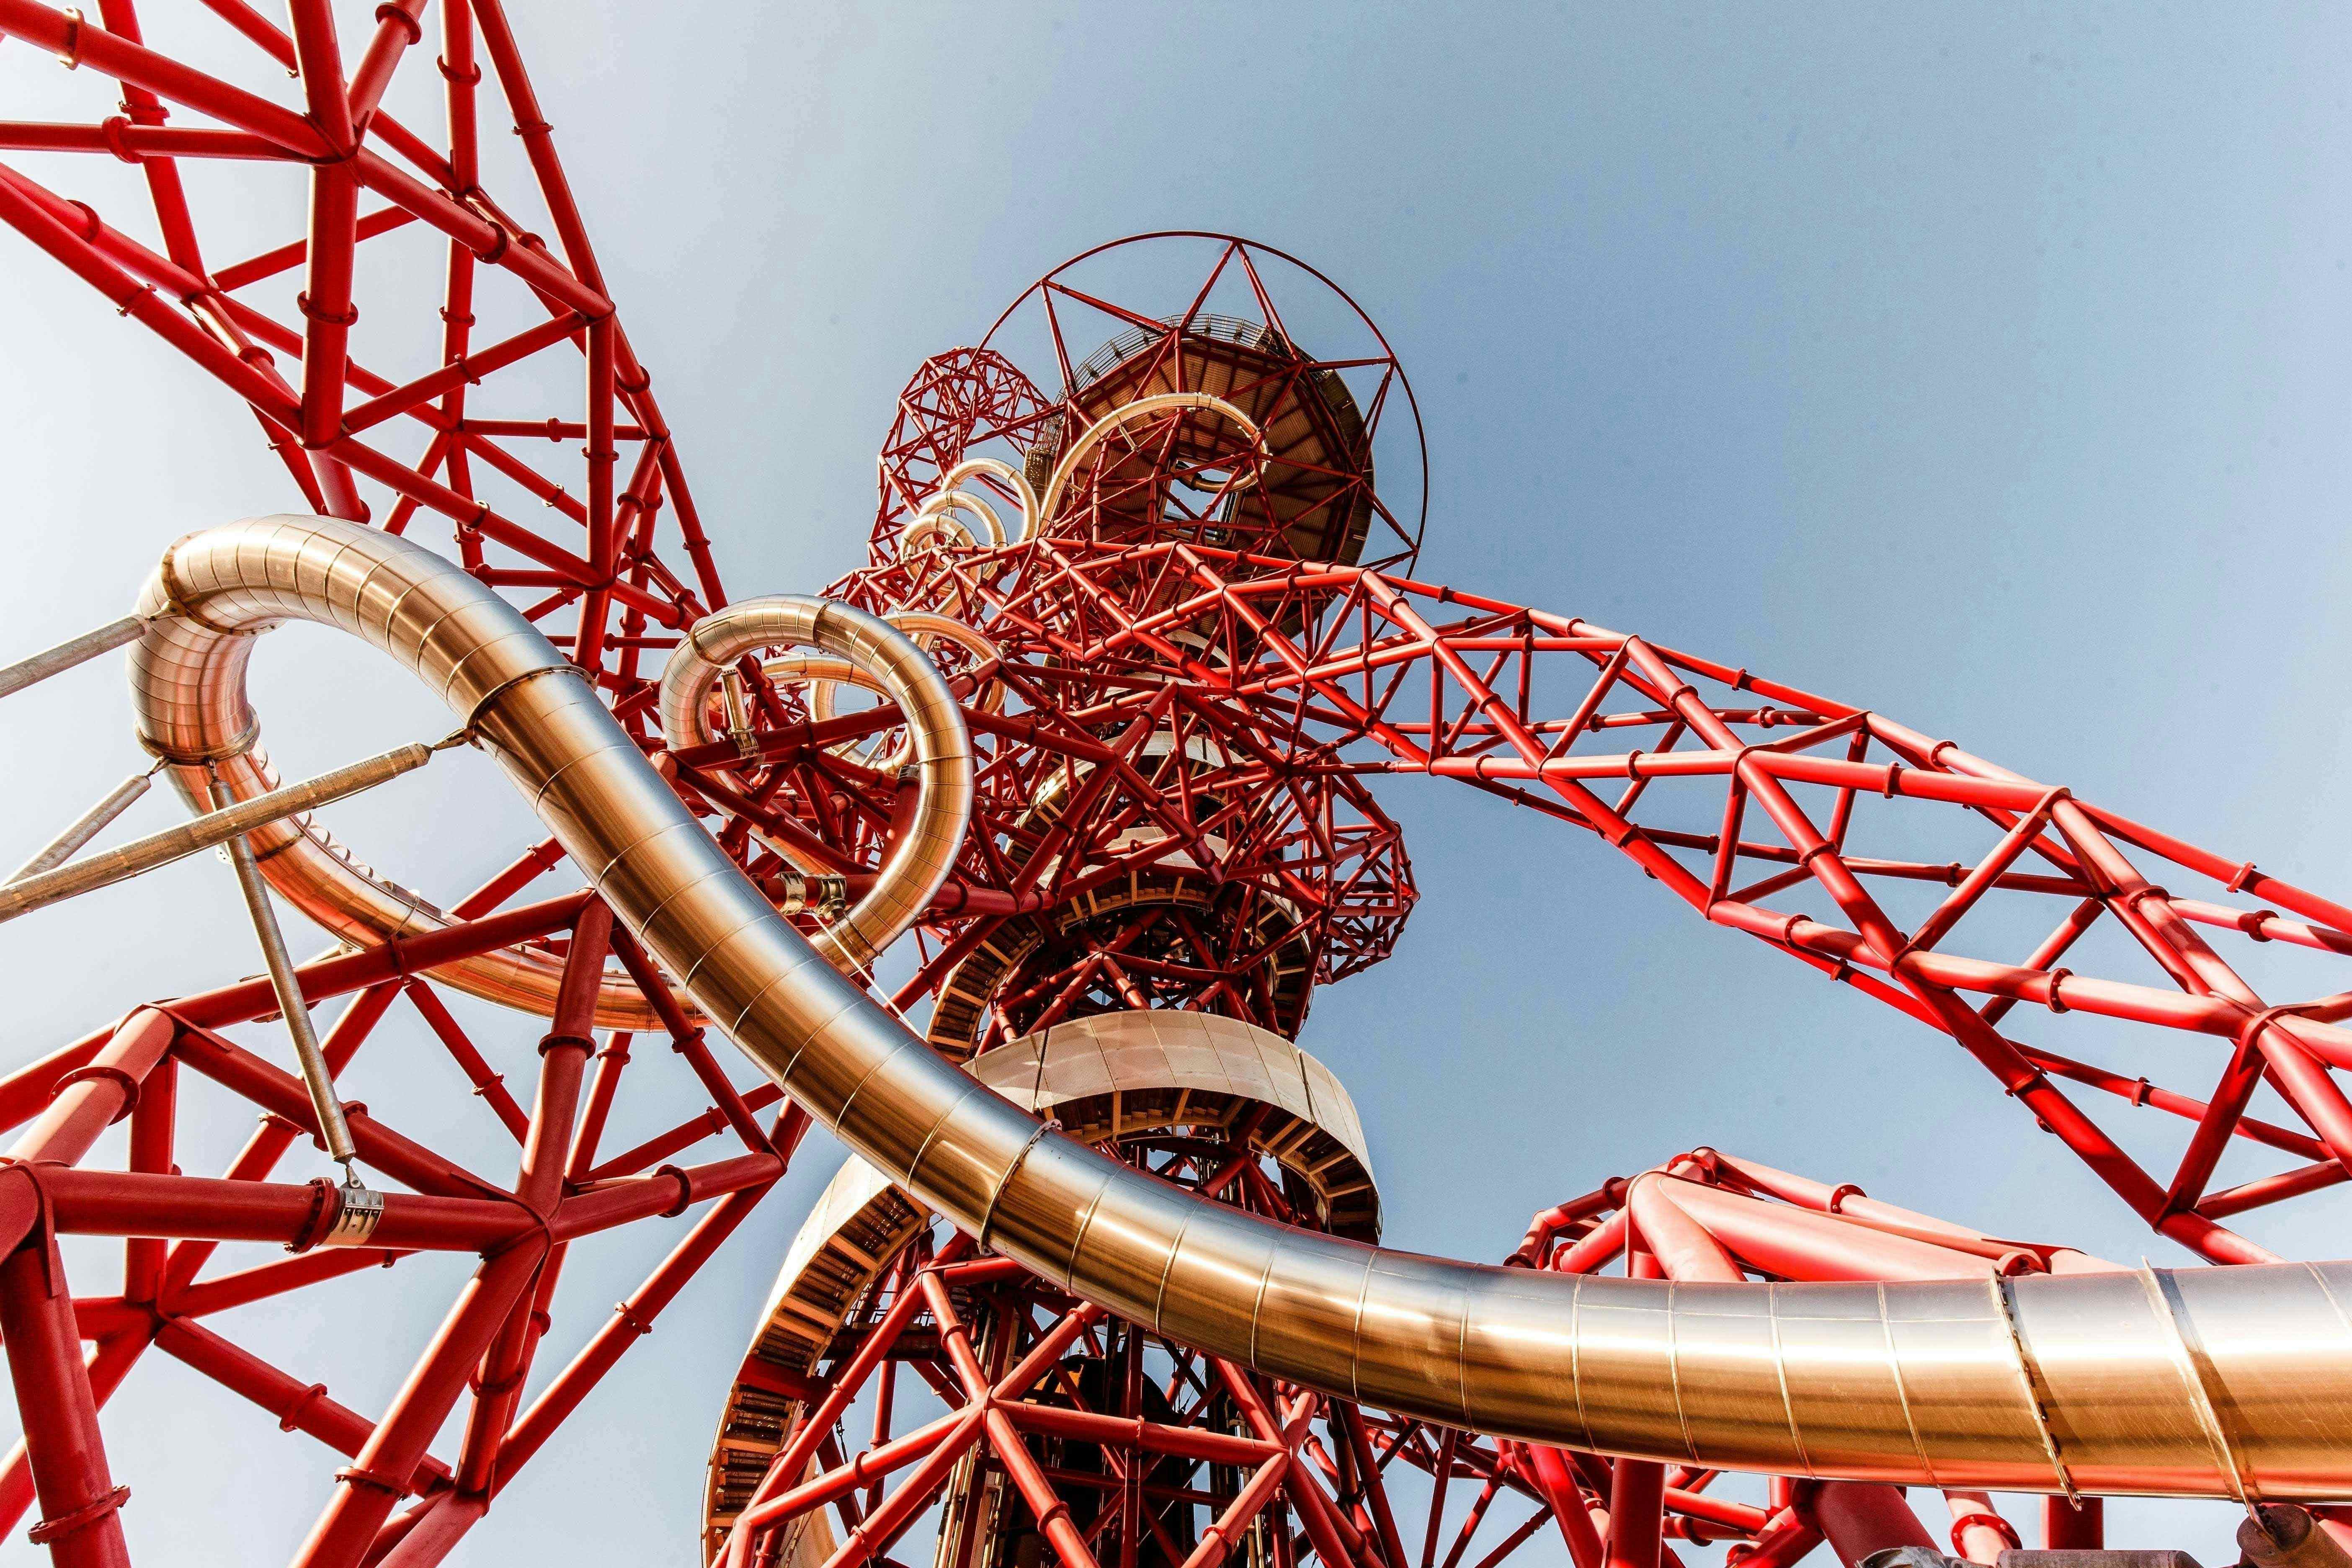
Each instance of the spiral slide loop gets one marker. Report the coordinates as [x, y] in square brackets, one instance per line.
[2024, 1385]
[887, 658]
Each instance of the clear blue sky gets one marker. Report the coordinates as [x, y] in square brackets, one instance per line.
[1984, 366]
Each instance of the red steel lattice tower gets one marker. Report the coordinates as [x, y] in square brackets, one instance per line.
[1171, 600]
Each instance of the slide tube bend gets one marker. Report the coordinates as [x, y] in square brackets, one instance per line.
[2208, 1382]
[925, 853]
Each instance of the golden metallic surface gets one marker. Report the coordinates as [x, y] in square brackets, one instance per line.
[1115, 1075]
[1013, 477]
[886, 657]
[1128, 413]
[1996, 1383]
[187, 689]
[187, 678]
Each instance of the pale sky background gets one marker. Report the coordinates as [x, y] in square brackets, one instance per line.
[1986, 367]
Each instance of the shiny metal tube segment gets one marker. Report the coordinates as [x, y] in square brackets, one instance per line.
[925, 853]
[188, 698]
[2213, 1382]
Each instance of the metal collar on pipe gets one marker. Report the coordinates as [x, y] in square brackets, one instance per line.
[2213, 1382]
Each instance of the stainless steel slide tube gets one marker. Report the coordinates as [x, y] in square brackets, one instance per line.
[925, 853]
[2210, 1381]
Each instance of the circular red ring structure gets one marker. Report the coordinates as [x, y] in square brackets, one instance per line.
[1237, 250]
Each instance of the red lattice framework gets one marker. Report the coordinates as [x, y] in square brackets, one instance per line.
[1771, 810]
[1179, 731]
[337, 422]
[512, 313]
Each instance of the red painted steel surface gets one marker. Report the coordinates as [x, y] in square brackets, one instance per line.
[1205, 661]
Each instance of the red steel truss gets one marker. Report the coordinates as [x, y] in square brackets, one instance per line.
[1193, 655]
[1756, 803]
[1062, 1424]
[509, 304]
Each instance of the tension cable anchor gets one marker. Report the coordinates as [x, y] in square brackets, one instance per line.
[358, 1211]
[344, 1216]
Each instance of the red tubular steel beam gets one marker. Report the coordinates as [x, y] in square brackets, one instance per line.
[785, 1470]
[280, 1092]
[26, 1092]
[1218, 1539]
[1114, 1431]
[1858, 1519]
[1315, 1510]
[1351, 1418]
[396, 30]
[2075, 1525]
[366, 1492]
[1549, 1470]
[139, 141]
[709, 1124]
[268, 1143]
[69, 37]
[21, 212]
[80, 1501]
[948, 1437]
[633, 1318]
[490, 241]
[153, 1123]
[56, 1394]
[563, 1058]
[1798, 1245]
[539, 1184]
[298, 1407]
[490, 1086]
[132, 1203]
[250, 999]
[688, 1039]
[109, 1363]
[249, 1284]
[425, 388]
[105, 1092]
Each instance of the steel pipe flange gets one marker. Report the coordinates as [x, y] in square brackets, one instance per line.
[938, 746]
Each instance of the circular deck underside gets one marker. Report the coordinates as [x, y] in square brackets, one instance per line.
[1120, 1076]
